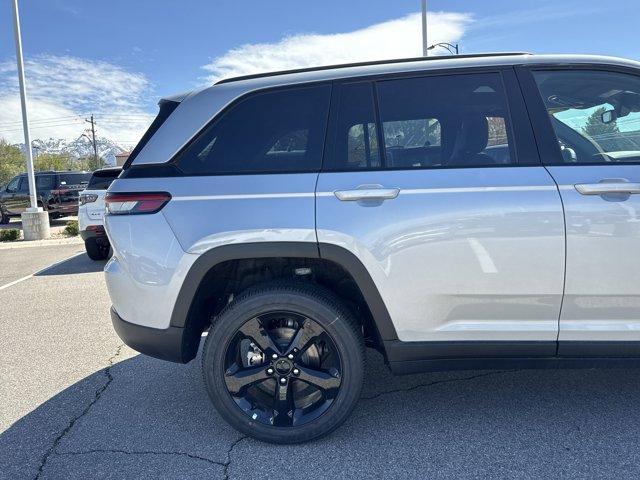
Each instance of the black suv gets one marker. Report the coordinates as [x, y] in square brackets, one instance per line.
[57, 193]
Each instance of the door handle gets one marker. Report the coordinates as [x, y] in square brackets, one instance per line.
[367, 192]
[607, 186]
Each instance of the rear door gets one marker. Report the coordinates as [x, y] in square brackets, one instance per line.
[435, 184]
[588, 121]
[68, 189]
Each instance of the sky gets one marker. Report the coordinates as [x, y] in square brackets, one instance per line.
[116, 58]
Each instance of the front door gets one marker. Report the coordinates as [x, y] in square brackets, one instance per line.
[595, 115]
[12, 197]
[434, 183]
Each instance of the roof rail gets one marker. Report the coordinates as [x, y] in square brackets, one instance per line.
[366, 64]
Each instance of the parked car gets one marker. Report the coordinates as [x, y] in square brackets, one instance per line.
[57, 194]
[91, 213]
[421, 207]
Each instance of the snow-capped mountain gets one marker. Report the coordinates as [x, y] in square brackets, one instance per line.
[82, 147]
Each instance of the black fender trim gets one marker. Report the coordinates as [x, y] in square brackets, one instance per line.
[224, 253]
[182, 311]
[358, 271]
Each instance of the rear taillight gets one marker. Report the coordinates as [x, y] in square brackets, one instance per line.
[87, 198]
[135, 203]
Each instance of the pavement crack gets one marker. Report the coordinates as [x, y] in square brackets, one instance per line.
[143, 452]
[437, 382]
[67, 429]
[227, 464]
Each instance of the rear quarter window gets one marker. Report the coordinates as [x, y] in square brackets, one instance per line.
[74, 180]
[275, 131]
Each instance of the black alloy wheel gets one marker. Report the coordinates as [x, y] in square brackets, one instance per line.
[284, 363]
[282, 369]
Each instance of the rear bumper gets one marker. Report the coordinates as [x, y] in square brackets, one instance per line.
[174, 344]
[99, 234]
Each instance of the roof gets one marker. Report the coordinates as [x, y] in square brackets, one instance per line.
[367, 64]
[108, 169]
[331, 72]
[199, 107]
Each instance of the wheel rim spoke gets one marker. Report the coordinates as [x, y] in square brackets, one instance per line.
[283, 407]
[254, 330]
[306, 336]
[290, 375]
[239, 379]
[319, 379]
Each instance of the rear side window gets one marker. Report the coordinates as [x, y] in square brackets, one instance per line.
[275, 131]
[74, 180]
[445, 121]
[101, 179]
[45, 182]
[356, 135]
[595, 114]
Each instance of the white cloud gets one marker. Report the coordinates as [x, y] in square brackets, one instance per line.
[63, 90]
[392, 39]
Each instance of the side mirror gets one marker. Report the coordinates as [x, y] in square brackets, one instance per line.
[609, 116]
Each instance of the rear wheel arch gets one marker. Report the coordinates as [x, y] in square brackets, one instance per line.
[214, 268]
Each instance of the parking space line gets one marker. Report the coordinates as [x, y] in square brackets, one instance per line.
[11, 284]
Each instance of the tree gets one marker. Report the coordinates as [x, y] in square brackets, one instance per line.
[12, 161]
[595, 127]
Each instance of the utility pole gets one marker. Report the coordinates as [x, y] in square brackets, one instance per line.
[93, 136]
[35, 221]
[424, 29]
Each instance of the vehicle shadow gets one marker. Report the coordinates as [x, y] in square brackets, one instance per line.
[147, 418]
[75, 265]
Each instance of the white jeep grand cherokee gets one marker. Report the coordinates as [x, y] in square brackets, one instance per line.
[465, 212]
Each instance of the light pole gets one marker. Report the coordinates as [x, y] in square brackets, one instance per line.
[452, 48]
[424, 29]
[35, 221]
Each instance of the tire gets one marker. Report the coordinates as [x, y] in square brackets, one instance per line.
[336, 359]
[4, 219]
[95, 251]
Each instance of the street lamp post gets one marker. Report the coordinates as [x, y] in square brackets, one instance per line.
[424, 29]
[452, 48]
[35, 221]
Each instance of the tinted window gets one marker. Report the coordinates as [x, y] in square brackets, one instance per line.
[45, 182]
[74, 180]
[13, 185]
[445, 121]
[24, 184]
[595, 114]
[101, 179]
[356, 137]
[277, 131]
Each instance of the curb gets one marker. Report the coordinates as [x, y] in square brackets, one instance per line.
[41, 243]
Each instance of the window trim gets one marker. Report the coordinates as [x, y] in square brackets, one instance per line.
[546, 137]
[161, 169]
[519, 121]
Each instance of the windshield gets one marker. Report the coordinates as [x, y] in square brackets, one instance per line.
[101, 179]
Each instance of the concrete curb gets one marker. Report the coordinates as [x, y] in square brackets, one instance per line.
[41, 243]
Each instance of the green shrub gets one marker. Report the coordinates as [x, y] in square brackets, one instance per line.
[72, 228]
[10, 235]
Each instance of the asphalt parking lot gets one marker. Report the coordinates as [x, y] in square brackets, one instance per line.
[76, 403]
